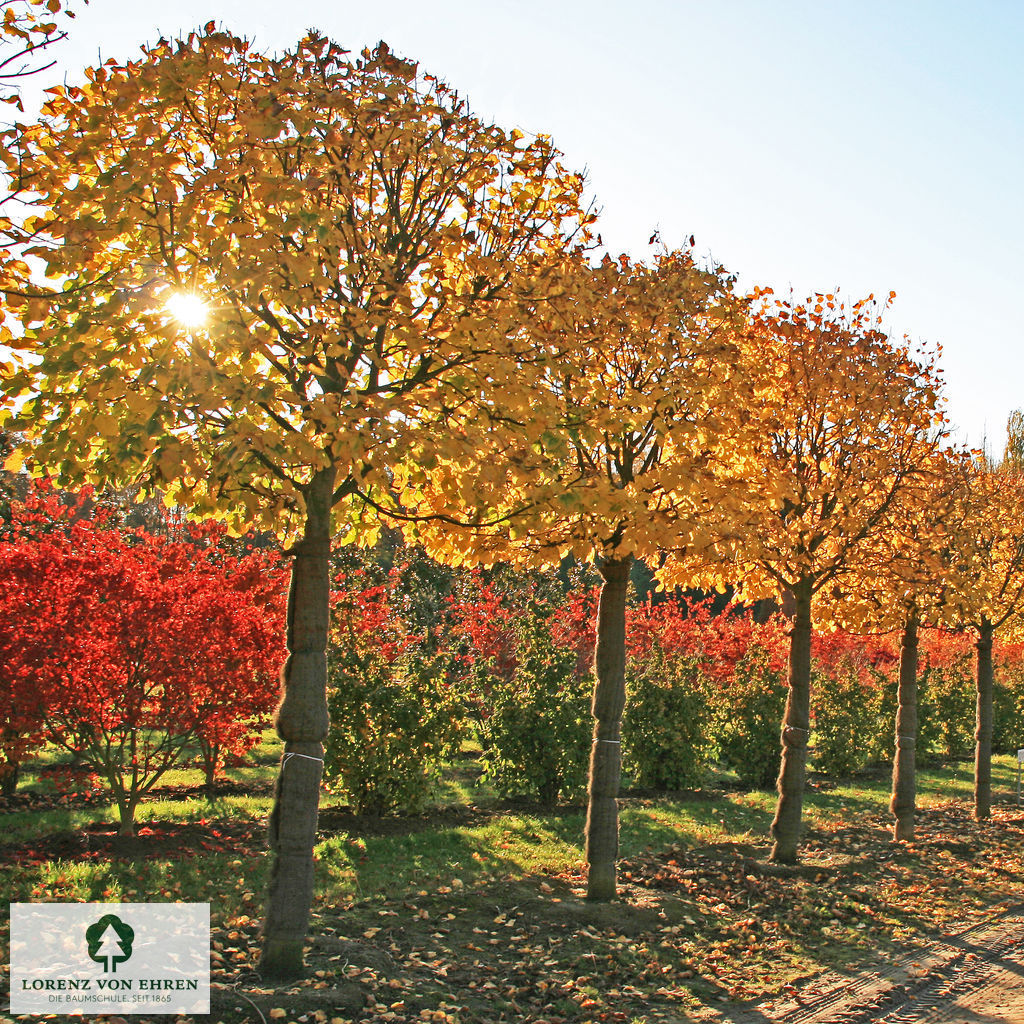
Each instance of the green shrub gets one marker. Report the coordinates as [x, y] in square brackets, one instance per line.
[1008, 700]
[929, 733]
[536, 734]
[952, 706]
[881, 742]
[851, 728]
[668, 722]
[748, 710]
[953, 701]
[1005, 718]
[393, 723]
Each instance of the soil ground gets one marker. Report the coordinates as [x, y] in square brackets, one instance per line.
[973, 977]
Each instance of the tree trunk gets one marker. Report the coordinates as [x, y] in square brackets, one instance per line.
[211, 776]
[904, 783]
[209, 754]
[302, 722]
[9, 772]
[127, 804]
[796, 731]
[606, 753]
[983, 732]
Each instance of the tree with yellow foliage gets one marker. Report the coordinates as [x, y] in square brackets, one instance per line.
[641, 403]
[842, 412]
[987, 588]
[1013, 452]
[268, 274]
[901, 582]
[28, 28]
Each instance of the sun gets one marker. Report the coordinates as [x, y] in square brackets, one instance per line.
[188, 309]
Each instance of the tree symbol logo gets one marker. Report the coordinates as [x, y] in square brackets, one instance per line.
[110, 942]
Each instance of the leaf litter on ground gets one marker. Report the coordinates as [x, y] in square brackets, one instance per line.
[695, 928]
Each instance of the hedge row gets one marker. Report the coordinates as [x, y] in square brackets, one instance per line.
[511, 670]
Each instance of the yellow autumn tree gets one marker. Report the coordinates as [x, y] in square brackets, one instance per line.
[952, 555]
[268, 274]
[28, 30]
[639, 406]
[1013, 452]
[902, 582]
[841, 413]
[986, 592]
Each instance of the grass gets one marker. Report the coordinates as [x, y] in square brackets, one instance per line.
[433, 908]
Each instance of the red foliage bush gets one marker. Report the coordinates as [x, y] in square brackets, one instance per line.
[133, 646]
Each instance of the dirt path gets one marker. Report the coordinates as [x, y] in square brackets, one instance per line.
[974, 977]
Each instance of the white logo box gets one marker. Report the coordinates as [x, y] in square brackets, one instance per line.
[93, 958]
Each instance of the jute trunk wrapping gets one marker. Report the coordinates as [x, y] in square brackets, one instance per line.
[302, 723]
[983, 732]
[606, 752]
[796, 731]
[904, 768]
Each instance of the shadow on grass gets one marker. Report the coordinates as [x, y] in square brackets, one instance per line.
[369, 865]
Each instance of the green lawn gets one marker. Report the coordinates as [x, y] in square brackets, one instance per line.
[702, 915]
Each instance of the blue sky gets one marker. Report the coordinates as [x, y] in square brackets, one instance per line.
[872, 146]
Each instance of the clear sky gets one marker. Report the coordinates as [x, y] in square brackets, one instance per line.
[874, 146]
